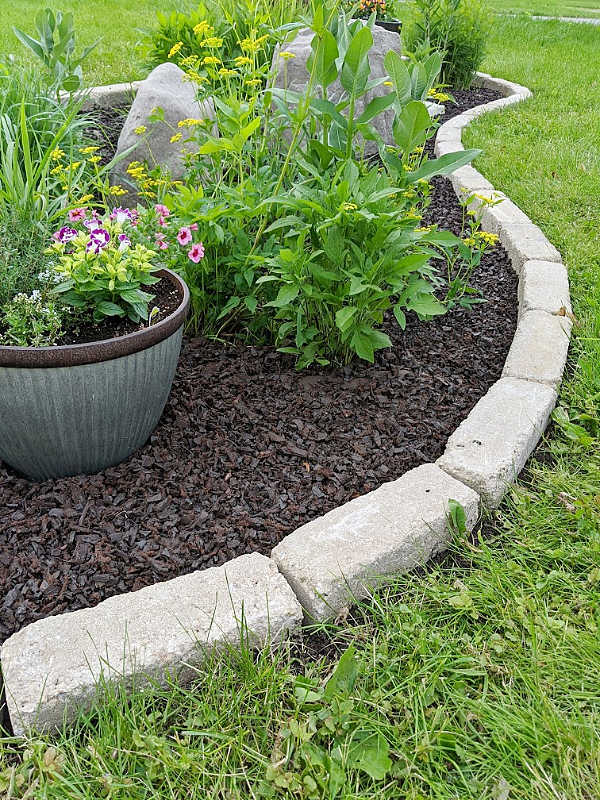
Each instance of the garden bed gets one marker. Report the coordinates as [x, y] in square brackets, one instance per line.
[248, 449]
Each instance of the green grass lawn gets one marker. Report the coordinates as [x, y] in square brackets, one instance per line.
[477, 679]
[553, 8]
[119, 25]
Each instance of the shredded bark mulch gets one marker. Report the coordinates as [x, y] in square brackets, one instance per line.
[248, 449]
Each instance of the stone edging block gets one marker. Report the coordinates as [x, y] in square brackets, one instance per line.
[332, 560]
[544, 286]
[490, 447]
[539, 348]
[51, 668]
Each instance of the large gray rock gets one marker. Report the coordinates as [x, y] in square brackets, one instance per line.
[167, 87]
[291, 73]
[51, 668]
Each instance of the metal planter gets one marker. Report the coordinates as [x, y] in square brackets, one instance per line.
[80, 408]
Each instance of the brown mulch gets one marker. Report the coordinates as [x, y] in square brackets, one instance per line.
[248, 449]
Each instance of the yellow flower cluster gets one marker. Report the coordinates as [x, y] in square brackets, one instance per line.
[441, 97]
[175, 49]
[203, 28]
[488, 239]
[211, 42]
[253, 45]
[190, 122]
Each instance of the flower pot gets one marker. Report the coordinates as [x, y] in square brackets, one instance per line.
[394, 25]
[76, 409]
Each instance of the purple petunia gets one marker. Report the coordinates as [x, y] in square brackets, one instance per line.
[121, 214]
[64, 234]
[99, 238]
[124, 240]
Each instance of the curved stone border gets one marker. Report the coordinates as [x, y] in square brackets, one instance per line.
[51, 667]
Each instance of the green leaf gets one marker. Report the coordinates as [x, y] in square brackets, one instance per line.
[400, 76]
[355, 68]
[321, 61]
[344, 316]
[411, 125]
[426, 305]
[371, 755]
[108, 309]
[344, 676]
[285, 296]
[444, 165]
[232, 303]
[376, 107]
[251, 303]
[400, 316]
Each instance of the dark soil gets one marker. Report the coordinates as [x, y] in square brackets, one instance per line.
[166, 298]
[248, 449]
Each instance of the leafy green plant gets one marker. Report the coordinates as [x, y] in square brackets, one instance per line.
[306, 244]
[459, 29]
[102, 270]
[31, 320]
[327, 738]
[187, 38]
[55, 48]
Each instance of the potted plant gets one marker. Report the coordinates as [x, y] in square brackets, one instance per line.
[87, 359]
[382, 16]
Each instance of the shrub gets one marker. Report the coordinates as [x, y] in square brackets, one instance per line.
[181, 37]
[308, 244]
[457, 28]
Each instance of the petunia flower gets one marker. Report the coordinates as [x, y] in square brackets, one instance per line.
[162, 210]
[64, 234]
[184, 236]
[196, 253]
[124, 240]
[77, 214]
[99, 238]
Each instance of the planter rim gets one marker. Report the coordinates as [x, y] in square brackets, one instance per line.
[73, 355]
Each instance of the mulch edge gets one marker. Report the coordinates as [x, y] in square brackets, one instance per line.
[330, 590]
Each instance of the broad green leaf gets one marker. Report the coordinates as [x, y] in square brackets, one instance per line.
[444, 165]
[343, 317]
[426, 305]
[109, 309]
[400, 77]
[400, 316]
[411, 125]
[344, 675]
[356, 69]
[321, 61]
[376, 107]
[371, 755]
[285, 296]
[251, 303]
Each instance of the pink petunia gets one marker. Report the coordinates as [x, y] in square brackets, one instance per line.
[184, 236]
[194, 226]
[77, 214]
[161, 241]
[162, 222]
[196, 253]
[161, 210]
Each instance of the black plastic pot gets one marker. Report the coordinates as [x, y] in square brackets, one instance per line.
[394, 25]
